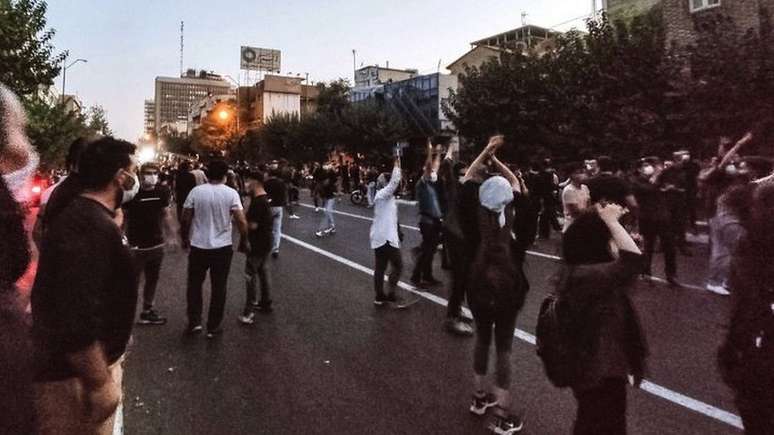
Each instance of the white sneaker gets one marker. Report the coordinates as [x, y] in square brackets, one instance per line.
[317, 209]
[718, 289]
[295, 216]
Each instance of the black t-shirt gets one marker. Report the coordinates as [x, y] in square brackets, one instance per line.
[61, 196]
[144, 216]
[277, 191]
[85, 289]
[467, 209]
[259, 223]
[184, 183]
[328, 188]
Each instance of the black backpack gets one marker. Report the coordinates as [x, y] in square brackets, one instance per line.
[554, 339]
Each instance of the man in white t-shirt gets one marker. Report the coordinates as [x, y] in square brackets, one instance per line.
[207, 215]
[575, 196]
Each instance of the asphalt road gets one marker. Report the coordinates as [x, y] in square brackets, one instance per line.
[327, 361]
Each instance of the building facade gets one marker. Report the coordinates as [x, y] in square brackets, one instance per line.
[275, 95]
[202, 109]
[149, 124]
[175, 96]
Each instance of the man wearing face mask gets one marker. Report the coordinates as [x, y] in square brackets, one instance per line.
[430, 222]
[84, 298]
[148, 217]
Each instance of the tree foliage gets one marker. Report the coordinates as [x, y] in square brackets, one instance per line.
[27, 59]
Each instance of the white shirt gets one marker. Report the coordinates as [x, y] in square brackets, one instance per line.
[384, 228]
[199, 176]
[574, 195]
[212, 205]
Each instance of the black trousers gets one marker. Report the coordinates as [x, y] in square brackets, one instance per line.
[498, 320]
[385, 255]
[665, 232]
[431, 237]
[148, 262]
[256, 269]
[602, 410]
[218, 262]
[548, 219]
[460, 262]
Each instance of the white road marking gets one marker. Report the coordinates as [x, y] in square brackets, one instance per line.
[532, 253]
[654, 389]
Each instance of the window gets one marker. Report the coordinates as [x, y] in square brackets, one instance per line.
[700, 5]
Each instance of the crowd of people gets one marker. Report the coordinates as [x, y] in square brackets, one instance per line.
[109, 222]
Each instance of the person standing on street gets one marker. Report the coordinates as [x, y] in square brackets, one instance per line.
[385, 238]
[430, 221]
[575, 196]
[278, 199]
[84, 298]
[257, 249]
[184, 183]
[148, 219]
[601, 262]
[328, 194]
[207, 229]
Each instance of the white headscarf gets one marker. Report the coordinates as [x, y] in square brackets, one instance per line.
[495, 194]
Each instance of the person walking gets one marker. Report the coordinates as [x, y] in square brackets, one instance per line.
[600, 263]
[148, 227]
[207, 230]
[430, 220]
[575, 196]
[257, 248]
[185, 181]
[84, 298]
[278, 199]
[327, 191]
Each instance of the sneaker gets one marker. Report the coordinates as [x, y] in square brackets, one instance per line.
[194, 329]
[320, 234]
[481, 403]
[275, 254]
[294, 216]
[506, 424]
[213, 333]
[458, 327]
[381, 300]
[247, 319]
[331, 230]
[317, 209]
[718, 289]
[150, 317]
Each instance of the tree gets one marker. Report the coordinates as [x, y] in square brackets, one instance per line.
[52, 128]
[27, 58]
[333, 99]
[97, 121]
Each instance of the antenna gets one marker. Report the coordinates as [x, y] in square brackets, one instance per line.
[182, 27]
[439, 65]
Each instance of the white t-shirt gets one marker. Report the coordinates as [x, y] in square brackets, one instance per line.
[212, 205]
[573, 195]
[384, 228]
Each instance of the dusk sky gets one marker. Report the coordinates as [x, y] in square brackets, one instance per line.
[129, 43]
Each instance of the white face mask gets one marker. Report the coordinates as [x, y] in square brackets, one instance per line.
[19, 181]
[150, 180]
[130, 194]
[648, 170]
[434, 176]
[731, 170]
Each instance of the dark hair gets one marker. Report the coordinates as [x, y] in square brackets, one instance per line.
[185, 166]
[217, 169]
[256, 175]
[102, 159]
[77, 147]
[573, 167]
[606, 164]
[587, 240]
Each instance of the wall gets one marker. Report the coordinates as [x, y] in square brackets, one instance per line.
[276, 103]
[679, 20]
[474, 58]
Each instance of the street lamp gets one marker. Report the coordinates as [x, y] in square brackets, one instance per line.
[223, 115]
[64, 73]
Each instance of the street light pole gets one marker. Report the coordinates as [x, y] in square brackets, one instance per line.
[354, 68]
[65, 66]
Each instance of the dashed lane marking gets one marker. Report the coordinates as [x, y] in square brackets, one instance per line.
[532, 253]
[650, 387]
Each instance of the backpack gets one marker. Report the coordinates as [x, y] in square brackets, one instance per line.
[555, 343]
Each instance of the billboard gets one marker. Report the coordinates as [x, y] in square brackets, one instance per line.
[259, 59]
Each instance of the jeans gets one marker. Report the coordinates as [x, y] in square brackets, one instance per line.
[602, 410]
[149, 262]
[460, 268]
[218, 262]
[664, 231]
[327, 222]
[387, 254]
[276, 228]
[725, 234]
[501, 321]
[431, 236]
[256, 268]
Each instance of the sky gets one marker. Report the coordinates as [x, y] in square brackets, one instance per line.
[129, 43]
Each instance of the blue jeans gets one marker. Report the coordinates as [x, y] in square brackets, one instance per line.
[276, 228]
[327, 221]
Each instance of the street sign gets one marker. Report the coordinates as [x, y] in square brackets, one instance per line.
[259, 59]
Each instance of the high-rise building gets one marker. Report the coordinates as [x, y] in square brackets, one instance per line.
[150, 117]
[376, 75]
[175, 96]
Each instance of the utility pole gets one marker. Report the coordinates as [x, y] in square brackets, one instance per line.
[354, 68]
[182, 27]
[64, 77]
